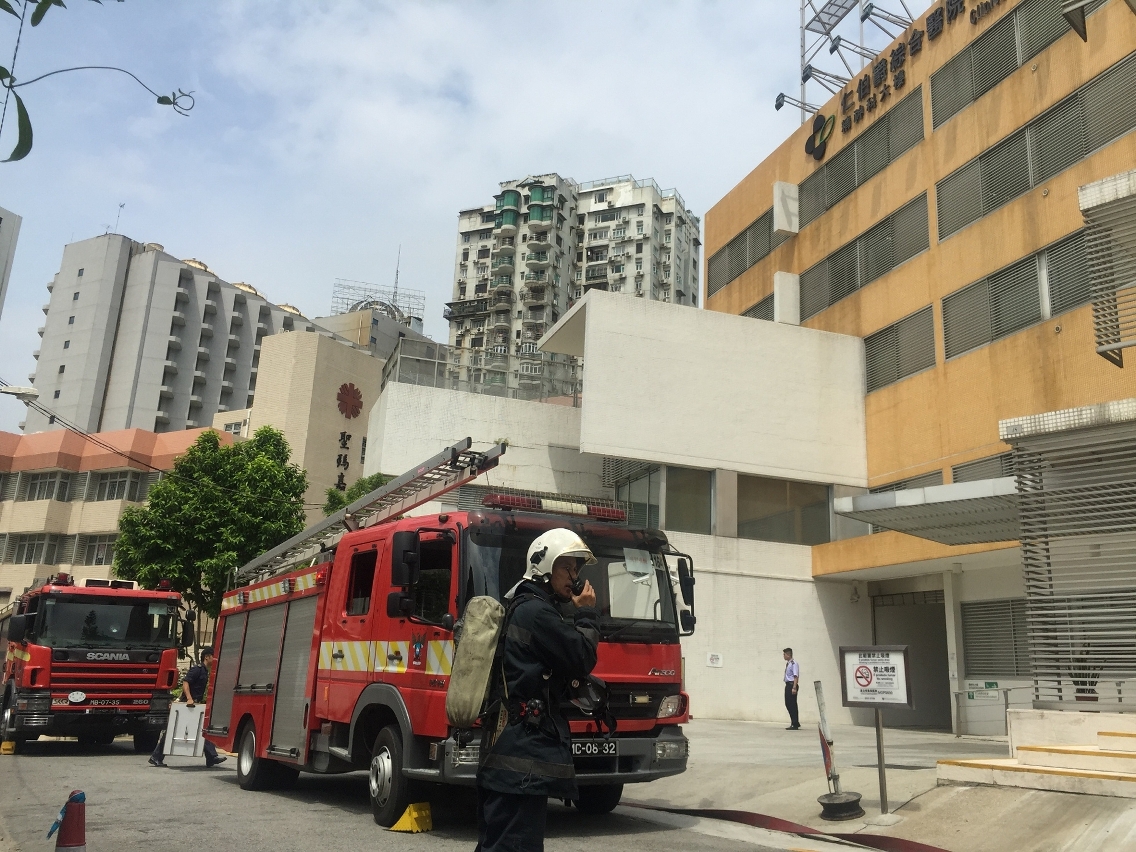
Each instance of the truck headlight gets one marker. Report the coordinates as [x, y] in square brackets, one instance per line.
[672, 705]
[35, 702]
[670, 750]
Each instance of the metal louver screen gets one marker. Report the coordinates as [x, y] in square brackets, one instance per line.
[924, 480]
[1110, 247]
[900, 350]
[1077, 510]
[966, 319]
[993, 467]
[736, 253]
[905, 124]
[288, 719]
[1015, 298]
[759, 233]
[872, 155]
[811, 197]
[228, 664]
[8, 486]
[843, 272]
[952, 89]
[1005, 171]
[763, 310]
[1068, 274]
[911, 229]
[717, 272]
[1057, 139]
[995, 641]
[814, 290]
[959, 199]
[261, 654]
[1040, 23]
[994, 56]
[877, 254]
[1110, 104]
[840, 175]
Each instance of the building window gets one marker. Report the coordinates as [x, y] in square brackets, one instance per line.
[66, 344]
[80, 273]
[893, 134]
[667, 235]
[689, 496]
[600, 197]
[47, 486]
[121, 485]
[639, 227]
[874, 253]
[35, 549]
[1043, 285]
[1097, 113]
[780, 510]
[618, 233]
[900, 350]
[466, 237]
[75, 297]
[482, 253]
[638, 265]
[62, 367]
[994, 638]
[641, 494]
[638, 248]
[70, 320]
[99, 550]
[55, 395]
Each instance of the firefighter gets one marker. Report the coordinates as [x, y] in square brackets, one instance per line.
[526, 751]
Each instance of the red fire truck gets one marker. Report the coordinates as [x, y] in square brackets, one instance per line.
[91, 661]
[337, 656]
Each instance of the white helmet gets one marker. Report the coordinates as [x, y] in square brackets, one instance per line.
[550, 546]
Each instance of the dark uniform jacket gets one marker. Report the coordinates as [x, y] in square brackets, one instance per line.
[198, 678]
[543, 653]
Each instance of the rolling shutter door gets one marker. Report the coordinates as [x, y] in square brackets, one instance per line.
[291, 695]
[1068, 274]
[966, 319]
[228, 664]
[959, 199]
[261, 655]
[1015, 300]
[994, 638]
[1057, 139]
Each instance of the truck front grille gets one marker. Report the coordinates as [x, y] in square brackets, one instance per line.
[100, 678]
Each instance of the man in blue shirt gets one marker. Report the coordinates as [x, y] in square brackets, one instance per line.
[192, 690]
[792, 680]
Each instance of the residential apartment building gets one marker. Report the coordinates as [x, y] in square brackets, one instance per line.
[62, 494]
[9, 233]
[934, 215]
[526, 258]
[135, 338]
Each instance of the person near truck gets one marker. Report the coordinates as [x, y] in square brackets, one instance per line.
[792, 682]
[192, 691]
[526, 750]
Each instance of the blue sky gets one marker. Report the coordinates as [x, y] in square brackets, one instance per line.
[326, 134]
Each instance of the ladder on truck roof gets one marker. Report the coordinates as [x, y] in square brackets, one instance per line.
[450, 469]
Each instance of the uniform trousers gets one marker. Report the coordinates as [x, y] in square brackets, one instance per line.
[510, 822]
[791, 705]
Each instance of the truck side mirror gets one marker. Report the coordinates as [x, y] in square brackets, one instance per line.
[686, 582]
[17, 628]
[190, 615]
[448, 622]
[686, 620]
[399, 605]
[186, 633]
[405, 566]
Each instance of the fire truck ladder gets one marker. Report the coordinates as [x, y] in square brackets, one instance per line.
[451, 468]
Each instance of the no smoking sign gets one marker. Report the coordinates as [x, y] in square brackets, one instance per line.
[875, 676]
[863, 676]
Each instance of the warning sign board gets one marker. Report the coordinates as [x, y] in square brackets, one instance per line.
[875, 676]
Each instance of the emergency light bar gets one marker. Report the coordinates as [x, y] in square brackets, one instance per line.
[552, 506]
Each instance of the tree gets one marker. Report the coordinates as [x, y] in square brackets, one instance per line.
[181, 102]
[337, 499]
[218, 508]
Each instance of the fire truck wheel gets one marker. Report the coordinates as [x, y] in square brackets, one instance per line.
[252, 772]
[284, 776]
[599, 798]
[389, 789]
[145, 742]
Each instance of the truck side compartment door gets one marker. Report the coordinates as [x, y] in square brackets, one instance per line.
[220, 705]
[289, 735]
[347, 649]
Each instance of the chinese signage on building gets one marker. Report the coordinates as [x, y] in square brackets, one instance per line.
[875, 676]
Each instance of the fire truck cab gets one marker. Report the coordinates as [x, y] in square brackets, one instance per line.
[91, 661]
[343, 664]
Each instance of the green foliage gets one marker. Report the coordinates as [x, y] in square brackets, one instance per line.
[337, 499]
[41, 9]
[220, 507]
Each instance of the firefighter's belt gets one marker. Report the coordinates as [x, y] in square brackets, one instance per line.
[530, 767]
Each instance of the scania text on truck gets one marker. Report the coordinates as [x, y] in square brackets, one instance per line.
[338, 658]
[91, 661]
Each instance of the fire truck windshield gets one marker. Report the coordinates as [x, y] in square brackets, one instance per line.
[100, 623]
[633, 592]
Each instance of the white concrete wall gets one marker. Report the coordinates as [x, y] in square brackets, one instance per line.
[753, 598]
[409, 424]
[713, 390]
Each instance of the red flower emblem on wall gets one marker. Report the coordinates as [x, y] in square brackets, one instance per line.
[350, 400]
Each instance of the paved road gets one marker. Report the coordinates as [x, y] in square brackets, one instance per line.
[134, 806]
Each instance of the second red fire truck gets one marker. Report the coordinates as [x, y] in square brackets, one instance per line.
[336, 657]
